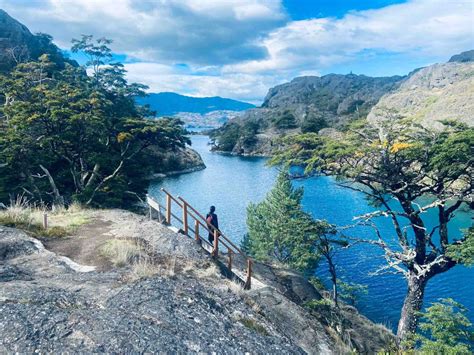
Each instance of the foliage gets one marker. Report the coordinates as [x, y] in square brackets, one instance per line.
[280, 230]
[228, 136]
[463, 252]
[351, 292]
[396, 165]
[70, 137]
[284, 120]
[313, 123]
[445, 329]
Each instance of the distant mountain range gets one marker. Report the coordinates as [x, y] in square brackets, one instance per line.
[327, 104]
[170, 104]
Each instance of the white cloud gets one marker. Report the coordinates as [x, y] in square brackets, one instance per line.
[240, 48]
[426, 28]
[247, 87]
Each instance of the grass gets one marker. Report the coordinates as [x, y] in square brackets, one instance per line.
[253, 325]
[122, 252]
[62, 222]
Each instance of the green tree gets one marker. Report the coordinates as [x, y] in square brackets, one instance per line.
[399, 166]
[445, 329]
[279, 229]
[351, 292]
[68, 136]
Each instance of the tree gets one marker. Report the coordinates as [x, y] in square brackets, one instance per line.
[399, 166]
[279, 229]
[350, 291]
[67, 136]
[445, 329]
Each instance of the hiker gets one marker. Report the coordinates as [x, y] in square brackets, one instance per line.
[211, 220]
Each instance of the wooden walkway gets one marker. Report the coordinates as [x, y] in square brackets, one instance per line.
[191, 224]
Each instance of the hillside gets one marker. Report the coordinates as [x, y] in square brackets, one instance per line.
[432, 94]
[170, 104]
[306, 104]
[166, 295]
[18, 44]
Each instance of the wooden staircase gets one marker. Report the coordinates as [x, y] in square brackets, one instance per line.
[191, 223]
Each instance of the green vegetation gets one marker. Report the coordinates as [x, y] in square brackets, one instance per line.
[445, 329]
[253, 325]
[280, 230]
[351, 292]
[230, 134]
[313, 123]
[61, 222]
[284, 120]
[396, 166]
[66, 136]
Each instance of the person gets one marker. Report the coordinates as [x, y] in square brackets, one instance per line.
[211, 220]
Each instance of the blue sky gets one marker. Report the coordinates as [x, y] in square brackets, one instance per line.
[241, 48]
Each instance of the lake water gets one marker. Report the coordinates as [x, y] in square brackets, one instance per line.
[231, 183]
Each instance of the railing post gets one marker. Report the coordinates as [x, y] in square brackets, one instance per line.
[248, 283]
[185, 218]
[45, 220]
[196, 230]
[215, 250]
[168, 209]
[229, 262]
[150, 212]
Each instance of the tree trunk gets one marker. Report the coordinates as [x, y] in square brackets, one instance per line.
[411, 306]
[332, 271]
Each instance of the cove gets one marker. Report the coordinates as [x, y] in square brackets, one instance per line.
[231, 183]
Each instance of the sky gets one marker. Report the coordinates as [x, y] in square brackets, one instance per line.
[241, 48]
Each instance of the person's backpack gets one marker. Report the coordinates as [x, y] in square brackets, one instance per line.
[209, 219]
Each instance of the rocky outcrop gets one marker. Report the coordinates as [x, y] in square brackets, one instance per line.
[49, 303]
[18, 44]
[463, 57]
[47, 306]
[306, 104]
[178, 161]
[430, 95]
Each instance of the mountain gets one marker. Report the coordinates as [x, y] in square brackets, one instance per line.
[18, 44]
[169, 104]
[439, 92]
[463, 57]
[306, 104]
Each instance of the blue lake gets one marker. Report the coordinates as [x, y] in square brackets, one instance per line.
[231, 183]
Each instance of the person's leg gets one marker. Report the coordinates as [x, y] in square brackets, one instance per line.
[211, 238]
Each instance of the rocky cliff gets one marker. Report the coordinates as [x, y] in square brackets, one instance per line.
[306, 104]
[18, 44]
[179, 303]
[432, 94]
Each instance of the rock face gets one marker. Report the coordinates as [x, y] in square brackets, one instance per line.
[176, 162]
[306, 104]
[432, 94]
[47, 306]
[463, 57]
[18, 44]
[48, 303]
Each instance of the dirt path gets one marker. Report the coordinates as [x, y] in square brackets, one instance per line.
[84, 246]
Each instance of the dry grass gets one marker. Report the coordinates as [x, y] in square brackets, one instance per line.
[61, 222]
[122, 252]
[235, 287]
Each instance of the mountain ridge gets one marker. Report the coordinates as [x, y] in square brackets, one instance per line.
[171, 103]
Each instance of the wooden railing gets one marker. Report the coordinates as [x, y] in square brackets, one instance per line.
[192, 222]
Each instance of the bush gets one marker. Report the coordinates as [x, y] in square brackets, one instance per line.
[286, 120]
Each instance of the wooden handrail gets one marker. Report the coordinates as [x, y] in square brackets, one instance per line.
[214, 228]
[219, 237]
[172, 197]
